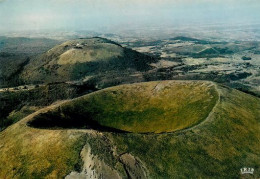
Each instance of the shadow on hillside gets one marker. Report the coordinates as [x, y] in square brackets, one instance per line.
[56, 121]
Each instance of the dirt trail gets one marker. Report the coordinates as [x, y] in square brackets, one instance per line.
[21, 88]
[210, 115]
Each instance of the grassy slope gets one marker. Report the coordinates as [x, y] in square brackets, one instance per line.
[217, 148]
[93, 52]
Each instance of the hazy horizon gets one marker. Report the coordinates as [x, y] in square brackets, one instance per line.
[37, 15]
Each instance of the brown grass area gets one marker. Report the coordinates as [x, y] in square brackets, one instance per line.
[31, 153]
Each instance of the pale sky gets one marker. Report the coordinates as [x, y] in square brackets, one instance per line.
[96, 14]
